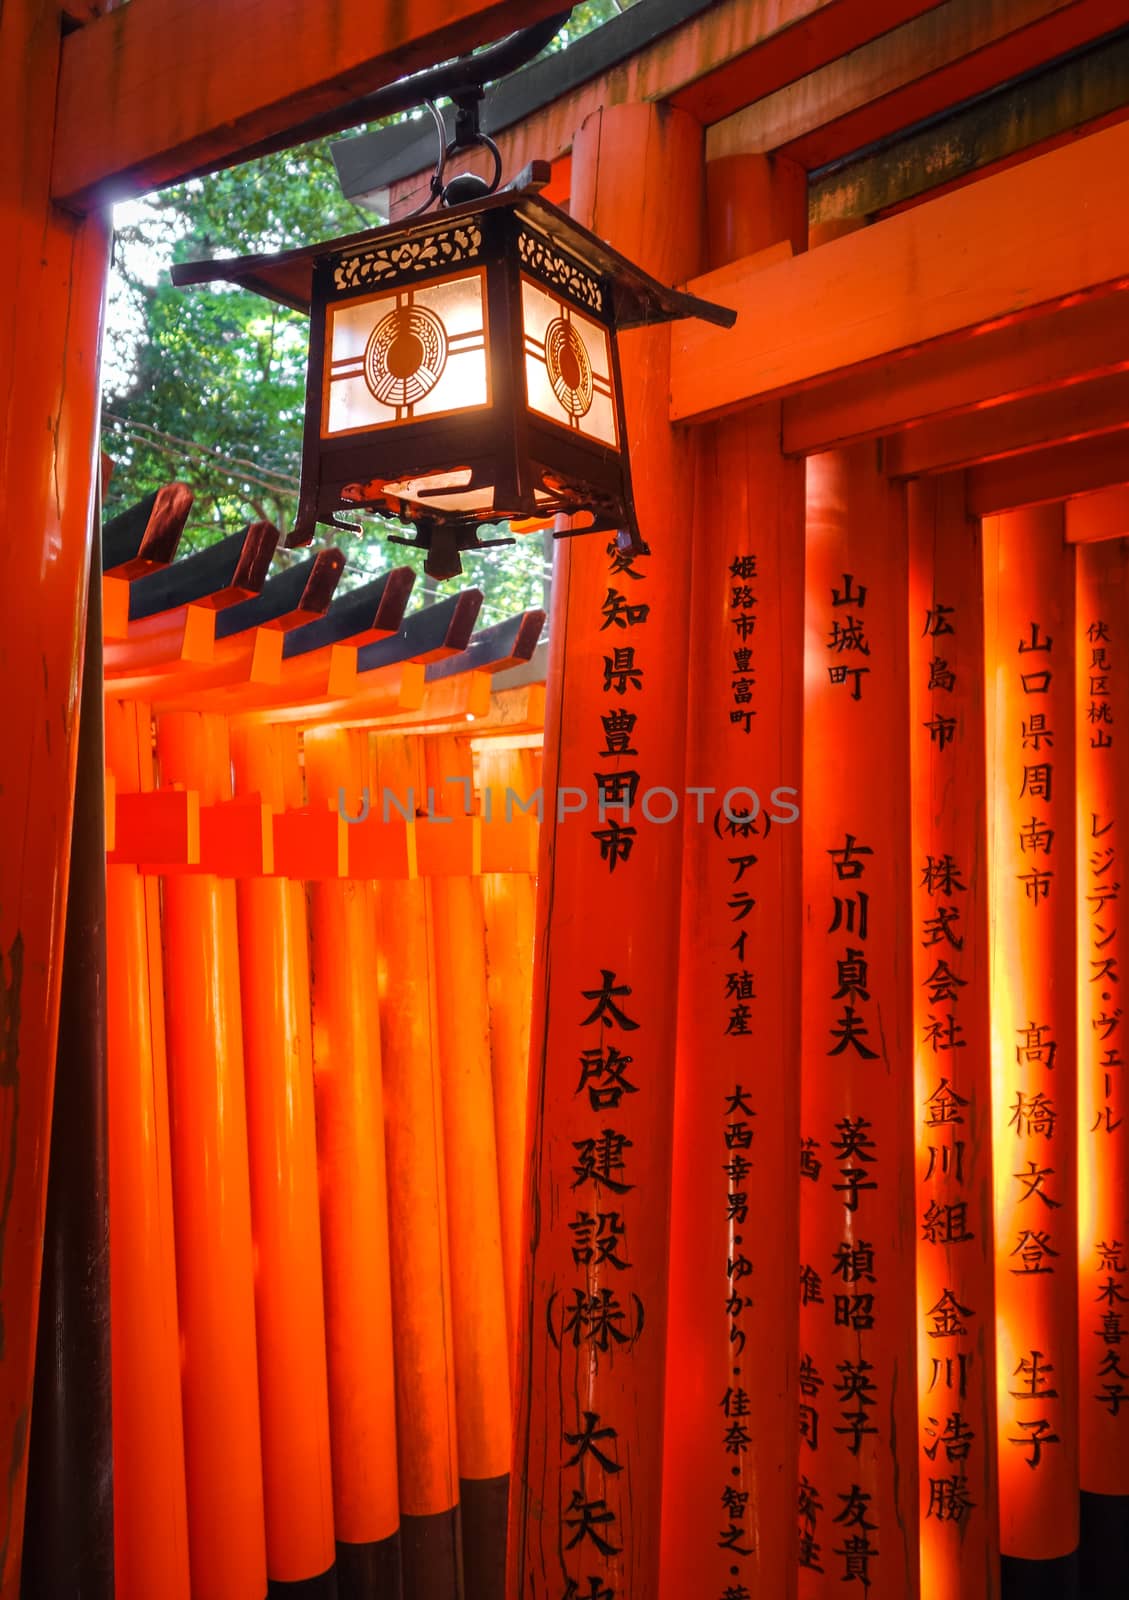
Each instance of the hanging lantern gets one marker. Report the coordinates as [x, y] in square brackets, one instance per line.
[463, 369]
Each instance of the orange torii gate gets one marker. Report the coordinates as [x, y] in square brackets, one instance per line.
[318, 1393]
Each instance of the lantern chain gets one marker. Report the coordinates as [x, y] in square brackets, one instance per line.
[468, 136]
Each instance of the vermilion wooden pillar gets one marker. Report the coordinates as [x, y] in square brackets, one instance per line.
[1102, 745]
[417, 1207]
[211, 1193]
[150, 1504]
[592, 1349]
[354, 1194]
[53, 279]
[729, 1474]
[956, 1432]
[858, 1473]
[69, 1520]
[478, 1297]
[508, 908]
[282, 1157]
[1029, 638]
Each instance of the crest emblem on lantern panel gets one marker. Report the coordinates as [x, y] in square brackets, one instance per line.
[568, 373]
[412, 352]
[405, 356]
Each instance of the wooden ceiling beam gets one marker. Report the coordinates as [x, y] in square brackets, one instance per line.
[1012, 246]
[945, 56]
[163, 88]
[1104, 514]
[803, 45]
[1059, 473]
[1083, 341]
[989, 433]
[1026, 117]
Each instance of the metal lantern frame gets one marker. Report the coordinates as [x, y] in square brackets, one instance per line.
[514, 460]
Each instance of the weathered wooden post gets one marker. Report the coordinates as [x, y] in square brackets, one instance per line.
[587, 1475]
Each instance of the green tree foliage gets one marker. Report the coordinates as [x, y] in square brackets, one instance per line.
[208, 385]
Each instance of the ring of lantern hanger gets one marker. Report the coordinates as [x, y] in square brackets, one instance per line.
[446, 151]
[483, 139]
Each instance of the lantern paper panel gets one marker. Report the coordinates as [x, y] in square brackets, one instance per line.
[568, 365]
[418, 352]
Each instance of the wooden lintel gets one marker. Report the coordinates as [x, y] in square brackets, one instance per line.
[948, 55]
[1058, 473]
[163, 88]
[1076, 411]
[1019, 118]
[1046, 234]
[1101, 515]
[1087, 340]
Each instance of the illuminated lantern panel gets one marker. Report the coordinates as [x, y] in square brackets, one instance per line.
[417, 353]
[568, 366]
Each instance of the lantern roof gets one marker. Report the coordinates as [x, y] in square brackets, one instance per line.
[637, 298]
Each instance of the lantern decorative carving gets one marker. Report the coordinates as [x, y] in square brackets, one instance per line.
[463, 370]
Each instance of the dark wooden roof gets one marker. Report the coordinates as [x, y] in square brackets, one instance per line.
[288, 277]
